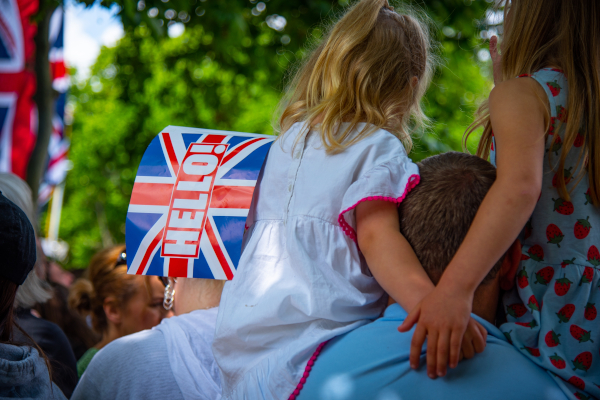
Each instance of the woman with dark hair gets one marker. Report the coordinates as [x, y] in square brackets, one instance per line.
[24, 370]
[173, 360]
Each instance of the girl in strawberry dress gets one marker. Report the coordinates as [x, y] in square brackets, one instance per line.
[551, 312]
[542, 131]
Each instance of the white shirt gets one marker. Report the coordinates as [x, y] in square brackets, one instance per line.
[170, 361]
[301, 279]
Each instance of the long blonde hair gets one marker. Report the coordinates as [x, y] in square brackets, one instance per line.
[363, 71]
[541, 33]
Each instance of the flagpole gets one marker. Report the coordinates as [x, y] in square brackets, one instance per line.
[56, 211]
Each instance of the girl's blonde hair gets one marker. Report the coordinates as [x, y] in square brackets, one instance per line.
[566, 34]
[363, 71]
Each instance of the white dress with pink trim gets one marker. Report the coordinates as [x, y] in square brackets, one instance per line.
[301, 279]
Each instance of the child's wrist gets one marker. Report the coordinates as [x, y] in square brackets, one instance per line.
[457, 287]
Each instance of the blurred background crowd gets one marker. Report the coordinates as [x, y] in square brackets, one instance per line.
[71, 321]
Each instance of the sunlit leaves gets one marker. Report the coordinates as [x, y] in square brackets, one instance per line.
[226, 71]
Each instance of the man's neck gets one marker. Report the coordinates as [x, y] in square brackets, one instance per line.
[485, 301]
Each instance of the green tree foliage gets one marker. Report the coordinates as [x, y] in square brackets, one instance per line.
[227, 71]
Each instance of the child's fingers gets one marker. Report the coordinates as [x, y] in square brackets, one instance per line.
[484, 334]
[494, 47]
[496, 59]
[455, 347]
[478, 335]
[479, 338]
[442, 352]
[416, 345]
[410, 320]
[432, 342]
[467, 348]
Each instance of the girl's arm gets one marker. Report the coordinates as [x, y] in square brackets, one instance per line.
[396, 268]
[390, 257]
[518, 119]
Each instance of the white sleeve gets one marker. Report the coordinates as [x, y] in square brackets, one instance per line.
[388, 181]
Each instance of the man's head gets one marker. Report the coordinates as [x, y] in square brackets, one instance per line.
[437, 214]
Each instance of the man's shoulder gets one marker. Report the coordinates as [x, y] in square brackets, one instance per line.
[49, 336]
[143, 354]
[375, 359]
[38, 326]
[134, 346]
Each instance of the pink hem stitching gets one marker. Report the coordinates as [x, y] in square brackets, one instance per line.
[309, 365]
[349, 231]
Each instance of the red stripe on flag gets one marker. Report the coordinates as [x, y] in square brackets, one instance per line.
[178, 268]
[208, 229]
[171, 152]
[148, 253]
[58, 70]
[236, 150]
[56, 158]
[214, 139]
[231, 197]
[151, 194]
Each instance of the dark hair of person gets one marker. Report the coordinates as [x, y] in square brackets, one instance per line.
[8, 291]
[437, 214]
[106, 277]
[57, 310]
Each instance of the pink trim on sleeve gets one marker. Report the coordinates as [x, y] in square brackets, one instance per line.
[309, 365]
[349, 231]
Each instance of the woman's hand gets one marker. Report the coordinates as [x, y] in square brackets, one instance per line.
[496, 60]
[444, 318]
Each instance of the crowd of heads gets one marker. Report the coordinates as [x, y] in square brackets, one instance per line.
[372, 67]
[101, 307]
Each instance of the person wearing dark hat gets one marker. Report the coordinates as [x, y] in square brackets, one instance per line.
[34, 291]
[24, 370]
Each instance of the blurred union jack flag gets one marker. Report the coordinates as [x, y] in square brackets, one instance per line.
[58, 148]
[18, 117]
[190, 200]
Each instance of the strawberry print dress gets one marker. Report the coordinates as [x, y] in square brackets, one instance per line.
[552, 310]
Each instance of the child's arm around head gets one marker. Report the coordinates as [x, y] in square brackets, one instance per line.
[396, 268]
[389, 255]
[518, 117]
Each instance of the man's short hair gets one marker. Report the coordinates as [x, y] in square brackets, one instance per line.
[437, 214]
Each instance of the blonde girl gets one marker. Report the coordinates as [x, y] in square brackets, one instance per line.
[330, 187]
[542, 130]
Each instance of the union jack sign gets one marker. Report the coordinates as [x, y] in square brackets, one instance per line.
[190, 200]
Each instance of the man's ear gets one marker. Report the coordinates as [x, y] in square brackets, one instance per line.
[414, 81]
[112, 310]
[510, 264]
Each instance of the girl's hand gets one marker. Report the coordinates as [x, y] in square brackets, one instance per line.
[496, 60]
[443, 318]
[471, 342]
